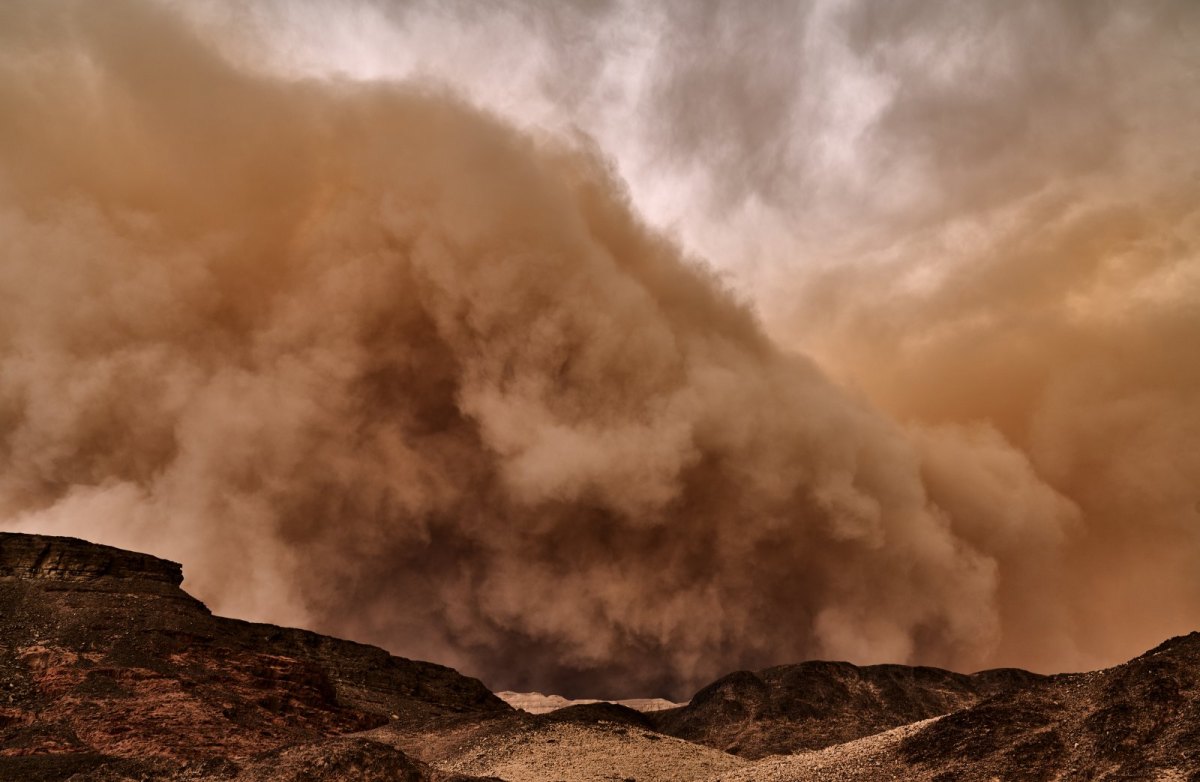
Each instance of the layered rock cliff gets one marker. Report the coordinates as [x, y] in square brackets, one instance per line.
[46, 558]
[108, 667]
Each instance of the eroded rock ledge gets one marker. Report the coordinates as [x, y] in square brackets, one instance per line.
[48, 558]
[110, 671]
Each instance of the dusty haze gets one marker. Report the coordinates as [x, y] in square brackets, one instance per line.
[373, 360]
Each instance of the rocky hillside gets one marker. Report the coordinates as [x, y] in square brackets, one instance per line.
[793, 708]
[109, 669]
[1136, 721]
[1140, 720]
[109, 672]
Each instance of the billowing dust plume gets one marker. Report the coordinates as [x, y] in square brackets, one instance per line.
[369, 360]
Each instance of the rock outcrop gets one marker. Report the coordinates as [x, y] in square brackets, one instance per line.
[109, 668]
[46, 558]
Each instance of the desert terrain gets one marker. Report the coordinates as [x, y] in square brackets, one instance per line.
[110, 671]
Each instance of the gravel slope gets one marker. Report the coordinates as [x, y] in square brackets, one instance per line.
[567, 752]
[870, 758]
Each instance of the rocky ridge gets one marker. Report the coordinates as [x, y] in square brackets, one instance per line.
[110, 672]
[812, 705]
[109, 668]
[537, 703]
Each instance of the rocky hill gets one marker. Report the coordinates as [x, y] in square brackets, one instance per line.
[1139, 720]
[109, 669]
[110, 672]
[1136, 721]
[793, 708]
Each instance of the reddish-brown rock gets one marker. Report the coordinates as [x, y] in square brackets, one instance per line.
[109, 669]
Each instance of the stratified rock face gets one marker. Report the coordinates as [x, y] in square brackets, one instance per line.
[109, 669]
[70, 559]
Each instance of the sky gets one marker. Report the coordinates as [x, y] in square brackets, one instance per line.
[602, 348]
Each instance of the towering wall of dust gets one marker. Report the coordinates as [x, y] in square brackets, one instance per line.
[1044, 282]
[369, 360]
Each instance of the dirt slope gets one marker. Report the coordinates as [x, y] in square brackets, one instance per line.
[537, 748]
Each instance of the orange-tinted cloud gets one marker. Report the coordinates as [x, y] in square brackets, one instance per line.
[369, 359]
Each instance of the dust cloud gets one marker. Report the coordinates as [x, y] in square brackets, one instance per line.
[370, 359]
